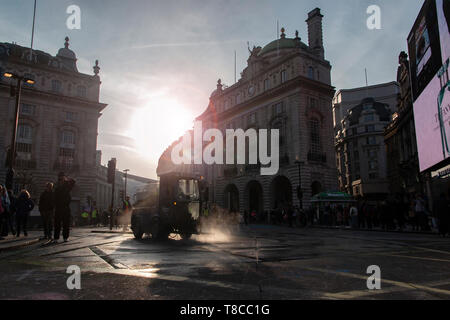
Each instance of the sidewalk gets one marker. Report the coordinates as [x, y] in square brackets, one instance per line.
[11, 242]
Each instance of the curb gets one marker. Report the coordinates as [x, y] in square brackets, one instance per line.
[111, 232]
[375, 230]
[19, 245]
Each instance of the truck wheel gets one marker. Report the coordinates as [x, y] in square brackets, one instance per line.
[155, 230]
[138, 233]
[186, 236]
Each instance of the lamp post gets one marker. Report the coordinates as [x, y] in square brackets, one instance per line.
[126, 177]
[10, 174]
[299, 188]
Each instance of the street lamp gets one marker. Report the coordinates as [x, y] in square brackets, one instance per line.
[299, 188]
[10, 175]
[126, 176]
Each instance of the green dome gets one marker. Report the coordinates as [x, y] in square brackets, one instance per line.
[282, 43]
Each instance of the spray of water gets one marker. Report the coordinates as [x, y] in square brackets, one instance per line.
[219, 226]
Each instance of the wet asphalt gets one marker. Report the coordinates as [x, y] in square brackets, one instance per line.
[256, 262]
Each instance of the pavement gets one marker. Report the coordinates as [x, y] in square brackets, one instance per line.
[229, 263]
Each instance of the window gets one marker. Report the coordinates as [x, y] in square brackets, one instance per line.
[314, 130]
[312, 102]
[278, 108]
[372, 153]
[373, 175]
[24, 142]
[56, 86]
[67, 152]
[370, 128]
[251, 119]
[371, 140]
[266, 84]
[283, 76]
[81, 91]
[369, 118]
[367, 106]
[68, 138]
[24, 132]
[373, 165]
[27, 109]
[227, 104]
[238, 98]
[70, 116]
[311, 73]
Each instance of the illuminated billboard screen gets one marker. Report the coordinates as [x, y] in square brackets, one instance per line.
[429, 51]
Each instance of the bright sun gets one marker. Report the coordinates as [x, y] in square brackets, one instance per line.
[155, 126]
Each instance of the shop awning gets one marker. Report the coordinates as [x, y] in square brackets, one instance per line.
[332, 197]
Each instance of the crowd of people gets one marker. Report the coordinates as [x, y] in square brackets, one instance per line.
[395, 213]
[54, 207]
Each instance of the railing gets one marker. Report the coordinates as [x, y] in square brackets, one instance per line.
[25, 164]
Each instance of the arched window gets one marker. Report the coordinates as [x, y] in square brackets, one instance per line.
[315, 141]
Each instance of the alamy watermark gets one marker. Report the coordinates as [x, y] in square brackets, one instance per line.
[374, 281]
[374, 20]
[236, 148]
[74, 280]
[74, 20]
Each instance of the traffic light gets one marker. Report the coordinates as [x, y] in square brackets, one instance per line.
[111, 171]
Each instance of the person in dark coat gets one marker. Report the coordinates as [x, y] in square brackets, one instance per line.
[24, 205]
[46, 208]
[62, 206]
[442, 212]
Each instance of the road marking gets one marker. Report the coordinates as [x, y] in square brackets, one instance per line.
[25, 275]
[363, 293]
[395, 283]
[413, 257]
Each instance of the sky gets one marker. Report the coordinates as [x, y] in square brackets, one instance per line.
[161, 59]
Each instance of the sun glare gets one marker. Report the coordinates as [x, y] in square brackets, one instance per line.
[155, 126]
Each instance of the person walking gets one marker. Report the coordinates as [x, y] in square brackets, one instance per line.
[2, 214]
[354, 216]
[442, 212]
[46, 208]
[24, 205]
[62, 206]
[419, 208]
[4, 211]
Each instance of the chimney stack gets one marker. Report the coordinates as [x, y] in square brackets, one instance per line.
[315, 32]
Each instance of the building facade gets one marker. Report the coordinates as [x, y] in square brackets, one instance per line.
[58, 121]
[403, 170]
[360, 150]
[286, 86]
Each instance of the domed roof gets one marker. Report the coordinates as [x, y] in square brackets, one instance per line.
[283, 43]
[66, 52]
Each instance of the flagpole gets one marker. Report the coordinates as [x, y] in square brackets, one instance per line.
[32, 31]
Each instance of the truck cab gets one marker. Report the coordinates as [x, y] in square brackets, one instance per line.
[177, 211]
